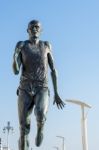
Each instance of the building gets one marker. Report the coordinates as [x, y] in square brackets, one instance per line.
[0, 144]
[5, 148]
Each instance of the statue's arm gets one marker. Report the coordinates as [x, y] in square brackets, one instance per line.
[57, 99]
[53, 72]
[52, 67]
[17, 60]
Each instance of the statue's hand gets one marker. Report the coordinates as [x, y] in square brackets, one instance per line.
[58, 101]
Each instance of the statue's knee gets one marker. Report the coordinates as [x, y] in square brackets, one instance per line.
[24, 130]
[27, 129]
[40, 116]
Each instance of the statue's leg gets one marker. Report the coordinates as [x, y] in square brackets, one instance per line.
[25, 106]
[41, 108]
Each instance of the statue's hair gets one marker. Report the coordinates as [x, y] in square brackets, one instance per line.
[34, 22]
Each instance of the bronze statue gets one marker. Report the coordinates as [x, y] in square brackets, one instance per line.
[34, 56]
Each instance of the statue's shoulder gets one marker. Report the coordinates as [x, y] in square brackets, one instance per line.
[47, 44]
[26, 42]
[20, 44]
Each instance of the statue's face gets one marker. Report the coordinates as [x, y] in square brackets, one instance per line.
[34, 30]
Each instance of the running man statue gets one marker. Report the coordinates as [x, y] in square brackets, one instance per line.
[33, 57]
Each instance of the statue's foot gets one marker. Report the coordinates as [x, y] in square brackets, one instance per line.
[39, 137]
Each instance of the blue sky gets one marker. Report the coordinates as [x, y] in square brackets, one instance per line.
[72, 27]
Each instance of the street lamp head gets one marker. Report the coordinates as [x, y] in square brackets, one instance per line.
[60, 136]
[56, 147]
[78, 102]
[8, 123]
[12, 129]
[4, 130]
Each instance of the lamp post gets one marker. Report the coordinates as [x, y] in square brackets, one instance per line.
[63, 139]
[7, 128]
[83, 121]
[56, 147]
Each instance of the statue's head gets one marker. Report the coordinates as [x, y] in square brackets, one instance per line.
[34, 28]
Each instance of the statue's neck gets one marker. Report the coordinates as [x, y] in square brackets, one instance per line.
[34, 40]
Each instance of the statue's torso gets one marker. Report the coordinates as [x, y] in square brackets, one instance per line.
[34, 63]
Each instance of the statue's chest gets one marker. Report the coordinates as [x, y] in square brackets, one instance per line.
[33, 54]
